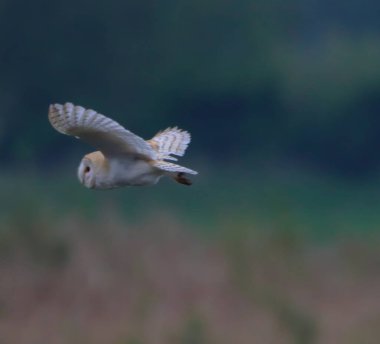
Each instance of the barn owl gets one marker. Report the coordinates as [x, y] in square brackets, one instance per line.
[123, 158]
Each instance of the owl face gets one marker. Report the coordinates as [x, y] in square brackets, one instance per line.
[87, 173]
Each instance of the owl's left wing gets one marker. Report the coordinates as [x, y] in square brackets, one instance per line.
[98, 130]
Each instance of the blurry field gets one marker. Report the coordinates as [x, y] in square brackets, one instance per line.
[316, 206]
[248, 260]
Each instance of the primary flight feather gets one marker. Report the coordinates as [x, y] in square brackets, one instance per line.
[123, 158]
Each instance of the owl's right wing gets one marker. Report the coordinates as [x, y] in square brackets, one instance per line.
[98, 130]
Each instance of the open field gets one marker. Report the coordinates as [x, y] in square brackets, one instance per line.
[318, 207]
[110, 282]
[226, 262]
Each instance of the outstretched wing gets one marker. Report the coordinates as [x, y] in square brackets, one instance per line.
[170, 141]
[99, 131]
[170, 167]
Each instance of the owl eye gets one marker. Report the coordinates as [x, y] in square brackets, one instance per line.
[87, 169]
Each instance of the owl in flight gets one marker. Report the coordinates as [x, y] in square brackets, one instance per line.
[123, 158]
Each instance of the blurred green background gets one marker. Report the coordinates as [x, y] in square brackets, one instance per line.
[276, 241]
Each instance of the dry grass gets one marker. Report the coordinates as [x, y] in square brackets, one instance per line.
[108, 282]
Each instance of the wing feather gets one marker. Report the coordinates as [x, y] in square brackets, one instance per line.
[170, 141]
[170, 167]
[98, 130]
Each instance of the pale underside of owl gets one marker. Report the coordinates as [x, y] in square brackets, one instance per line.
[123, 158]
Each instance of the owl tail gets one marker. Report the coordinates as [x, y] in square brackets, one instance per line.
[171, 141]
[177, 172]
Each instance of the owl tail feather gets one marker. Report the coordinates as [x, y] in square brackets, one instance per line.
[177, 172]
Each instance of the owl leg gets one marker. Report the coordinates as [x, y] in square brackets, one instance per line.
[180, 178]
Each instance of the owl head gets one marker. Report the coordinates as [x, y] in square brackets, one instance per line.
[86, 173]
[90, 169]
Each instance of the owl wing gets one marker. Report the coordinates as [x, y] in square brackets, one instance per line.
[171, 141]
[98, 130]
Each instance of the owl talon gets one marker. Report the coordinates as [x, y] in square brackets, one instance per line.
[180, 178]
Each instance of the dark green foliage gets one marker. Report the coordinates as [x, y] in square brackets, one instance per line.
[272, 81]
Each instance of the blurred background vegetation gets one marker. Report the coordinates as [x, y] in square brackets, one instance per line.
[277, 240]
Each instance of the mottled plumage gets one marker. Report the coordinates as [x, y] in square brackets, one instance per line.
[170, 141]
[123, 159]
